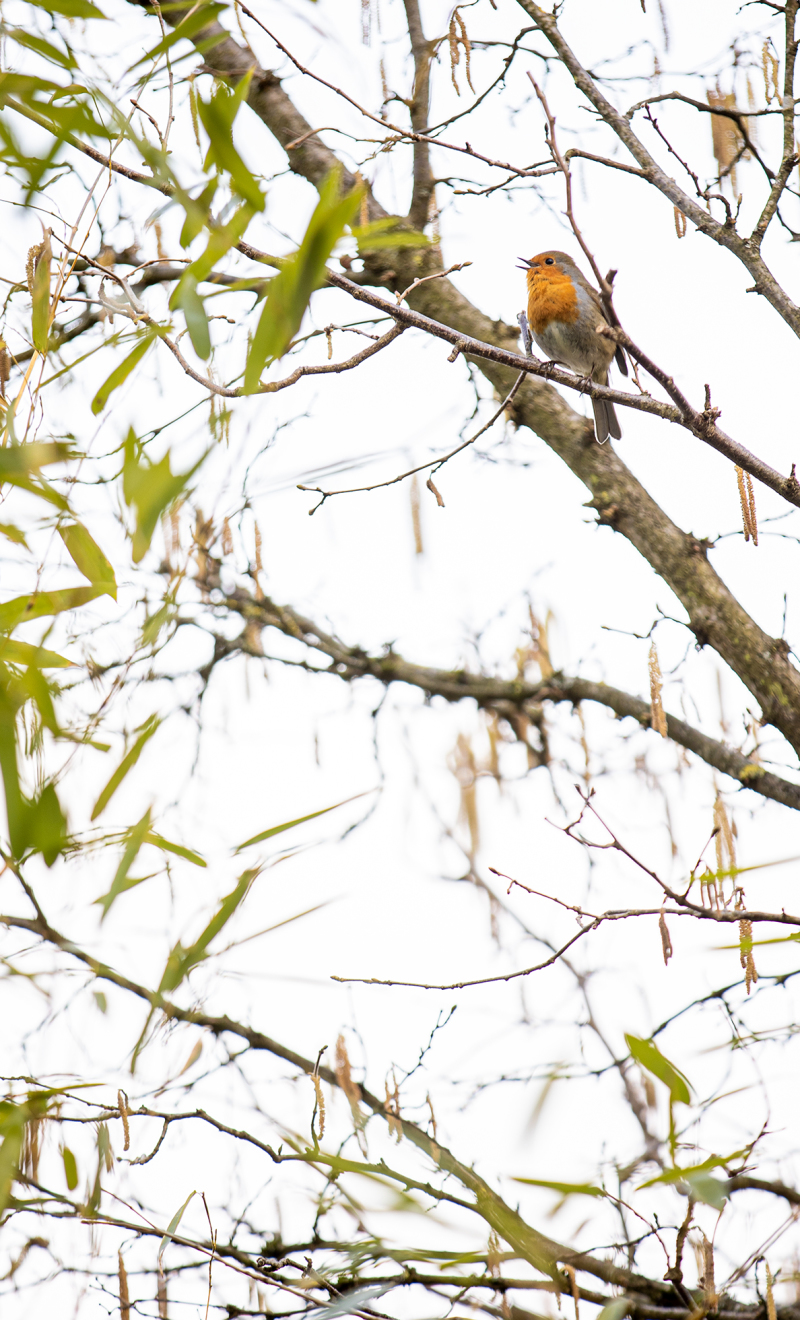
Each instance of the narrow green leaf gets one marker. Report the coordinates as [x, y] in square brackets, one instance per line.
[13, 533]
[384, 233]
[135, 837]
[566, 1189]
[89, 558]
[181, 960]
[40, 308]
[151, 488]
[197, 211]
[35, 683]
[218, 116]
[191, 304]
[23, 653]
[289, 824]
[291, 289]
[70, 1168]
[646, 1053]
[21, 460]
[121, 372]
[127, 763]
[70, 8]
[194, 22]
[44, 48]
[12, 1122]
[22, 608]
[173, 1224]
[46, 825]
[166, 845]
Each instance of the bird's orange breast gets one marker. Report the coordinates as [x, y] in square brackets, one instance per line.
[551, 297]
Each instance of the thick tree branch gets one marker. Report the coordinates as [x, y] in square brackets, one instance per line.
[509, 698]
[422, 52]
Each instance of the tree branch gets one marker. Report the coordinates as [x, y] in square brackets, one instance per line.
[508, 698]
[725, 234]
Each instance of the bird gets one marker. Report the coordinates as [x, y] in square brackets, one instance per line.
[564, 312]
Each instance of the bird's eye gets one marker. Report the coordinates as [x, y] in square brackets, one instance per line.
[548, 261]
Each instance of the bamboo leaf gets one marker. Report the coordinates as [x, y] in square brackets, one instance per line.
[172, 1227]
[135, 837]
[121, 372]
[40, 295]
[218, 116]
[126, 764]
[20, 461]
[289, 824]
[70, 1168]
[151, 488]
[565, 1189]
[646, 1053]
[22, 608]
[291, 289]
[182, 960]
[23, 653]
[70, 8]
[89, 558]
[166, 845]
[196, 19]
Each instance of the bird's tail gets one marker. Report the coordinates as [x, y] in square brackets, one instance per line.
[606, 422]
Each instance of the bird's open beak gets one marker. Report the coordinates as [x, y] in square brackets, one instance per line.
[527, 263]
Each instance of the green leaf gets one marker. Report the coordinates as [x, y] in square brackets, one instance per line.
[166, 845]
[381, 234]
[291, 289]
[181, 961]
[289, 824]
[12, 1124]
[566, 1189]
[89, 558]
[35, 684]
[22, 608]
[70, 1168]
[218, 116]
[19, 461]
[197, 211]
[135, 837]
[13, 533]
[152, 488]
[156, 621]
[173, 1224]
[646, 1053]
[70, 8]
[22, 653]
[191, 304]
[44, 48]
[121, 372]
[185, 295]
[40, 308]
[127, 763]
[699, 1179]
[46, 825]
[195, 21]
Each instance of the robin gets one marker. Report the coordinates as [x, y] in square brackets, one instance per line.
[564, 312]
